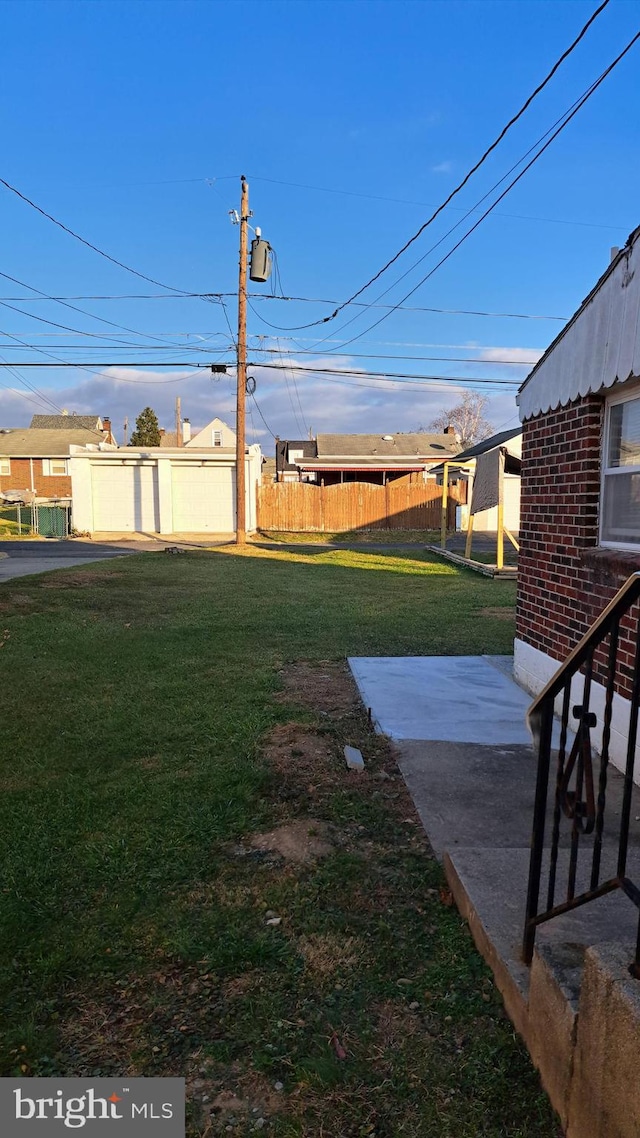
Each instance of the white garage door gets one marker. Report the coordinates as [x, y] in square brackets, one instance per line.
[125, 498]
[203, 499]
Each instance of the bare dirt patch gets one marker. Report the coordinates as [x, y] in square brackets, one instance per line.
[301, 841]
[322, 686]
[225, 1103]
[293, 749]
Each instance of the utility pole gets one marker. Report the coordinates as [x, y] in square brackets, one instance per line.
[178, 422]
[241, 534]
[126, 428]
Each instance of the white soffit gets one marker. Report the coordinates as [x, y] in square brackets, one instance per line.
[599, 347]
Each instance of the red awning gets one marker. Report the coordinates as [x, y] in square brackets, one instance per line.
[337, 469]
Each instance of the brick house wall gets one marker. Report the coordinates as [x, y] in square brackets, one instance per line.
[564, 579]
[46, 485]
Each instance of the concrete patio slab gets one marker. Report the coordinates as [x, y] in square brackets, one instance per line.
[466, 757]
[458, 699]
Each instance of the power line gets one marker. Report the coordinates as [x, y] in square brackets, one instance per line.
[298, 299]
[467, 176]
[66, 304]
[89, 244]
[412, 308]
[262, 416]
[410, 201]
[345, 372]
[491, 380]
[425, 359]
[44, 399]
[296, 354]
[577, 107]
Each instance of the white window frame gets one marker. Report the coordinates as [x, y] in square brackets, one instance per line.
[216, 438]
[49, 472]
[5, 466]
[633, 393]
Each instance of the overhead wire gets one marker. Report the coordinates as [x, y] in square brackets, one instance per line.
[262, 416]
[297, 299]
[429, 359]
[89, 244]
[413, 202]
[490, 380]
[483, 158]
[564, 123]
[44, 399]
[73, 307]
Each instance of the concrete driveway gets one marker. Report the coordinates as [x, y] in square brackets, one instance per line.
[21, 558]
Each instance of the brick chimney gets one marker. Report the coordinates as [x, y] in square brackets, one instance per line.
[106, 427]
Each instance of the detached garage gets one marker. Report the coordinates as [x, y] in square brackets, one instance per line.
[203, 497]
[125, 498]
[159, 490]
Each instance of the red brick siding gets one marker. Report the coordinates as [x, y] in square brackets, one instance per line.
[564, 579]
[46, 486]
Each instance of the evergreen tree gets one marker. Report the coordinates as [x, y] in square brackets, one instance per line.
[147, 432]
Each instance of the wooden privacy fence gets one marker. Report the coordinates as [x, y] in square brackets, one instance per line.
[303, 506]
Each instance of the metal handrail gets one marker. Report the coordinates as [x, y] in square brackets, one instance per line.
[587, 816]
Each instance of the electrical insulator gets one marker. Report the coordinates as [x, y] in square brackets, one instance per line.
[260, 269]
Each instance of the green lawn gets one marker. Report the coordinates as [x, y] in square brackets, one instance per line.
[156, 718]
[353, 537]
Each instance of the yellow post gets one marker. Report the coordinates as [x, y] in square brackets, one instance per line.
[443, 520]
[467, 548]
[500, 540]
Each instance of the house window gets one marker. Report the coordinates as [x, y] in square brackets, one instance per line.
[5, 466]
[620, 497]
[52, 466]
[217, 438]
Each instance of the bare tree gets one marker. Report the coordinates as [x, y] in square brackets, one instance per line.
[467, 417]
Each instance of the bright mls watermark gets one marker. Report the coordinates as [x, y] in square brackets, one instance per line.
[112, 1108]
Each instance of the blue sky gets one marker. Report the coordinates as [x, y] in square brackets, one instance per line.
[131, 123]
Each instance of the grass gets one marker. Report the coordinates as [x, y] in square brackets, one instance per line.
[177, 708]
[353, 537]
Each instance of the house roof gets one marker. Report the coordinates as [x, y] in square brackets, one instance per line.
[598, 346]
[488, 444]
[393, 447]
[28, 442]
[66, 422]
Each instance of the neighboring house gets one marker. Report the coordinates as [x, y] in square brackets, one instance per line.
[160, 490]
[216, 434]
[289, 454]
[36, 460]
[74, 422]
[494, 459]
[580, 505]
[374, 458]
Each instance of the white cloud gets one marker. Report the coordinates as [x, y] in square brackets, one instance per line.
[442, 168]
[326, 403]
[520, 357]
